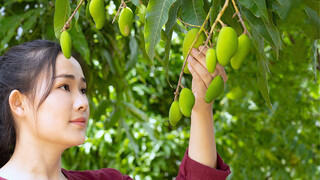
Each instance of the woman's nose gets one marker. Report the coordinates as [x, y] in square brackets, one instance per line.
[81, 103]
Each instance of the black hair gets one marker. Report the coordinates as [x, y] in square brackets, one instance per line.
[20, 67]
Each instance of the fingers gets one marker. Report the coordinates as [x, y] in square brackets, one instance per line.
[199, 56]
[201, 71]
[199, 66]
[196, 79]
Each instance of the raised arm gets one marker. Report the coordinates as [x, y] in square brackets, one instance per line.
[202, 145]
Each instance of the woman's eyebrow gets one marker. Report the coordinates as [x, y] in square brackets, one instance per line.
[70, 76]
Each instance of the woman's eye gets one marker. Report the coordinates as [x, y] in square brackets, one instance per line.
[84, 91]
[65, 87]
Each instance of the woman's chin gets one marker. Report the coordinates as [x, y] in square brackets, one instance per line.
[76, 141]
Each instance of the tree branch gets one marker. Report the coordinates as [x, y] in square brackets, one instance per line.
[187, 24]
[215, 22]
[122, 5]
[67, 25]
[239, 16]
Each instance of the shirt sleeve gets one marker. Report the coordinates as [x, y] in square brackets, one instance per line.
[191, 169]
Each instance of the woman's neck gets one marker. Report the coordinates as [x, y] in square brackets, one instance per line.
[34, 160]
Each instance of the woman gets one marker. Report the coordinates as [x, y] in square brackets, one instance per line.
[44, 110]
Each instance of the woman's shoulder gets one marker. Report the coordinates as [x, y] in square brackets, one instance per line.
[105, 173]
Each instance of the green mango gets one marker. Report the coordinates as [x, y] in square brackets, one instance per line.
[211, 60]
[98, 12]
[235, 93]
[186, 102]
[214, 90]
[186, 70]
[142, 13]
[187, 42]
[227, 45]
[66, 45]
[125, 21]
[244, 45]
[174, 113]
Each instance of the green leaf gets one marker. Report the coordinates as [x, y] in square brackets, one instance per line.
[263, 68]
[167, 56]
[156, 17]
[61, 15]
[232, 21]
[76, 16]
[135, 2]
[30, 21]
[130, 136]
[257, 7]
[133, 53]
[169, 25]
[79, 42]
[313, 4]
[172, 16]
[314, 19]
[101, 109]
[88, 15]
[314, 54]
[114, 117]
[150, 131]
[283, 7]
[135, 111]
[9, 26]
[266, 30]
[107, 56]
[193, 12]
[216, 7]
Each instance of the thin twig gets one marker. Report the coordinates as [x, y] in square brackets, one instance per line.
[207, 34]
[222, 24]
[67, 25]
[215, 22]
[185, 60]
[239, 16]
[188, 24]
[122, 5]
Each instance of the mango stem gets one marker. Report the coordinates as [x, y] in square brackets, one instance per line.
[239, 16]
[66, 25]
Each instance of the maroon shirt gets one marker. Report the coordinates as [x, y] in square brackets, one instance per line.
[189, 169]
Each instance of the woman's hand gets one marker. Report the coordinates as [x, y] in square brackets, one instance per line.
[201, 77]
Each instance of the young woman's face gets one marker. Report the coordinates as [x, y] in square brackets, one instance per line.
[63, 116]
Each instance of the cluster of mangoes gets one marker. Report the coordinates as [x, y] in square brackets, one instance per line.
[183, 106]
[98, 14]
[229, 47]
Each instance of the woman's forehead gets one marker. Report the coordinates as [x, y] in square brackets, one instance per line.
[68, 66]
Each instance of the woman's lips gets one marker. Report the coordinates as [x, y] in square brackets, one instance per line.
[79, 121]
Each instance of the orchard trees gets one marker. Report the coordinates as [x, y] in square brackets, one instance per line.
[270, 102]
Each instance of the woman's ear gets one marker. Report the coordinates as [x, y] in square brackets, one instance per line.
[17, 102]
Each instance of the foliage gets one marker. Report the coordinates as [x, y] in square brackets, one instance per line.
[272, 132]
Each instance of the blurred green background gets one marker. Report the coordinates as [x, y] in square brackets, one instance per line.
[130, 96]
